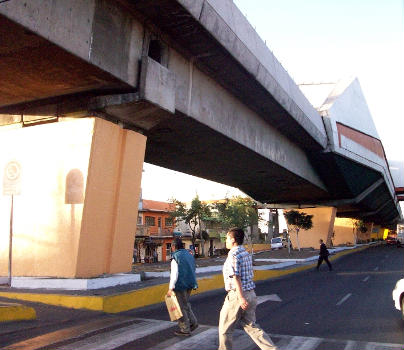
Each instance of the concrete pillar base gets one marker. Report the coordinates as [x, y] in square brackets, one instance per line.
[74, 283]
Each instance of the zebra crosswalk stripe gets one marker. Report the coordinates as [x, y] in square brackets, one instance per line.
[142, 333]
[118, 337]
[378, 346]
[349, 345]
[204, 340]
[302, 343]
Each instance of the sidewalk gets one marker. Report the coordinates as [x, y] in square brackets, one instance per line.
[268, 264]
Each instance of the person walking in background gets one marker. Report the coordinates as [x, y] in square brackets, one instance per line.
[241, 301]
[134, 255]
[324, 253]
[182, 281]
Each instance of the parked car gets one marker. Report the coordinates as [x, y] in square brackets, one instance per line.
[398, 296]
[276, 243]
[391, 240]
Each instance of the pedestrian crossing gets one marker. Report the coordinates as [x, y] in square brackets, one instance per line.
[113, 332]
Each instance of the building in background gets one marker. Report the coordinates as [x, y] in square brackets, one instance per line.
[154, 231]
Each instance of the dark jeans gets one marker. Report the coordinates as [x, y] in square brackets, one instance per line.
[320, 260]
[188, 319]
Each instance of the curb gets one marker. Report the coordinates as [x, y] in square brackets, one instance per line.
[16, 312]
[149, 295]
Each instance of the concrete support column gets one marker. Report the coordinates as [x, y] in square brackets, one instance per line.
[111, 201]
[76, 211]
[331, 227]
[323, 227]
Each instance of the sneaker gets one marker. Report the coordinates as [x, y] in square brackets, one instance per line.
[182, 334]
[193, 327]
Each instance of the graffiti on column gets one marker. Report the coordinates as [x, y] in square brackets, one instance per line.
[74, 187]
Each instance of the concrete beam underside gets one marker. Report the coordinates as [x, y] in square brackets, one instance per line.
[82, 50]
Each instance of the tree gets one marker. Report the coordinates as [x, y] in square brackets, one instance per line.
[192, 216]
[298, 220]
[358, 225]
[238, 212]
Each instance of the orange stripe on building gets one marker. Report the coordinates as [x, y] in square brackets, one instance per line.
[372, 144]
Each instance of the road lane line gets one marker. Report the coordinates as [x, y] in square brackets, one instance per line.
[350, 345]
[344, 298]
[366, 279]
[376, 268]
[264, 298]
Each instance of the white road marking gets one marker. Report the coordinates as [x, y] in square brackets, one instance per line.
[344, 299]
[366, 279]
[350, 345]
[301, 343]
[208, 338]
[263, 298]
[378, 346]
[118, 337]
[205, 337]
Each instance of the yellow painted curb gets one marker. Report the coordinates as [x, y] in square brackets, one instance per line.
[16, 312]
[146, 296]
[154, 295]
[70, 301]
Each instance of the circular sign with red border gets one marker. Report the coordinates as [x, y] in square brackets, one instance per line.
[12, 177]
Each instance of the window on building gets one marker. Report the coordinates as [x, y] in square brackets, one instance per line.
[155, 50]
[168, 222]
[150, 221]
[139, 220]
[159, 222]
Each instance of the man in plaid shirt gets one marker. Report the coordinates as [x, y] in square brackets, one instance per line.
[241, 301]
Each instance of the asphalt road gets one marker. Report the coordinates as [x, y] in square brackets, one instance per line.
[353, 302]
[348, 308]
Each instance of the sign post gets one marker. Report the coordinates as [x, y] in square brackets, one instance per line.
[10, 243]
[11, 187]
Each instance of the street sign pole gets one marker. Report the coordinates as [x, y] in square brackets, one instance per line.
[10, 244]
[11, 187]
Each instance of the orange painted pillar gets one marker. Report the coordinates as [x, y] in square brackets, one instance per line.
[76, 213]
[110, 210]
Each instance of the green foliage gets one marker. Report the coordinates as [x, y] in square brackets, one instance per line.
[363, 228]
[359, 225]
[232, 212]
[205, 235]
[180, 210]
[298, 220]
[192, 216]
[237, 212]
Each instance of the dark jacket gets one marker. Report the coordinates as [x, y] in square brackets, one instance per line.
[323, 250]
[186, 270]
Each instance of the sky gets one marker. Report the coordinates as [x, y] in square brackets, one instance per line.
[320, 41]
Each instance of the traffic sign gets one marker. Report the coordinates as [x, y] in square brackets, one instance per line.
[12, 179]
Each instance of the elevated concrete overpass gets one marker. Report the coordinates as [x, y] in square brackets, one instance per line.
[195, 79]
[226, 94]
